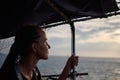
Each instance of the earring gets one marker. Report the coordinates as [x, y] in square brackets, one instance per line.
[18, 58]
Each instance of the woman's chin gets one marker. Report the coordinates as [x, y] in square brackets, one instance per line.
[45, 57]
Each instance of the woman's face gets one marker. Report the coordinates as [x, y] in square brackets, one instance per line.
[42, 46]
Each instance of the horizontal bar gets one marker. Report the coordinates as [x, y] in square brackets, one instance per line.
[56, 75]
[79, 19]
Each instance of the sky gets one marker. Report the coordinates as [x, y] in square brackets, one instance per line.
[93, 38]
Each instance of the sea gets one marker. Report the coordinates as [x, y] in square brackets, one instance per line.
[96, 68]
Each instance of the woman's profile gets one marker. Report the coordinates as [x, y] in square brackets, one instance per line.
[30, 46]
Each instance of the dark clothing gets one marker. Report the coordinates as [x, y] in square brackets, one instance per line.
[13, 74]
[8, 74]
[35, 76]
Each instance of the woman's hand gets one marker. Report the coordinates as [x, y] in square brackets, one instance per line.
[72, 61]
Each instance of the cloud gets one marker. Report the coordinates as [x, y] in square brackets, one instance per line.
[96, 29]
[99, 49]
[62, 32]
[114, 20]
[100, 30]
[98, 38]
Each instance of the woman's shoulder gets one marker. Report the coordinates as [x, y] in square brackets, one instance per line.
[8, 74]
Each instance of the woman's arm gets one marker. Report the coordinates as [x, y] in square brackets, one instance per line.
[72, 61]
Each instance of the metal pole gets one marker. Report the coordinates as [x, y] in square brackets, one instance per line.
[56, 8]
[73, 47]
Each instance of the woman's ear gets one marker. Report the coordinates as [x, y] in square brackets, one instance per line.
[34, 47]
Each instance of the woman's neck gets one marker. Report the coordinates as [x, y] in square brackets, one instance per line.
[26, 66]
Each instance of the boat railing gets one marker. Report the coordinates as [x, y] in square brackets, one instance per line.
[54, 77]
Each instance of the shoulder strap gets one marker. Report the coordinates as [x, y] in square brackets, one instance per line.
[38, 73]
[19, 76]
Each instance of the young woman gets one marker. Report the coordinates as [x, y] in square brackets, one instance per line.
[29, 47]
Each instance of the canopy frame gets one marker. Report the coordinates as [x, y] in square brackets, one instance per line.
[72, 33]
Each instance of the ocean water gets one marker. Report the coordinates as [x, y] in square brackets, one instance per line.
[97, 68]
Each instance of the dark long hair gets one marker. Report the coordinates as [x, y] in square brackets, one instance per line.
[23, 40]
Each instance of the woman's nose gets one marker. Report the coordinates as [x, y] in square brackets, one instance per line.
[48, 46]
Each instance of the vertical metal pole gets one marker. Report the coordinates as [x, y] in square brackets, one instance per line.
[57, 9]
[73, 46]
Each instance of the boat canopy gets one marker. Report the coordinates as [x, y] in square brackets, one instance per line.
[15, 13]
